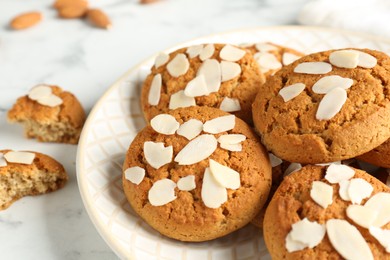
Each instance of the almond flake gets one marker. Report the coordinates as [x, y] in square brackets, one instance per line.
[162, 192]
[220, 124]
[347, 240]
[225, 176]
[19, 157]
[307, 232]
[135, 174]
[207, 52]
[268, 61]
[328, 163]
[187, 183]
[344, 59]
[178, 66]
[292, 91]
[3, 162]
[322, 193]
[289, 58]
[155, 90]
[50, 101]
[275, 161]
[265, 47]
[293, 167]
[380, 203]
[164, 124]
[313, 68]
[343, 190]
[194, 50]
[327, 83]
[196, 87]
[363, 216]
[232, 147]
[211, 70]
[383, 237]
[157, 155]
[161, 59]
[213, 194]
[366, 60]
[293, 245]
[229, 70]
[231, 53]
[231, 139]
[336, 173]
[197, 150]
[359, 189]
[39, 91]
[179, 99]
[331, 104]
[190, 129]
[230, 104]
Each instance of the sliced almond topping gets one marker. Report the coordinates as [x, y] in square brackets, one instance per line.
[211, 70]
[328, 163]
[179, 99]
[197, 150]
[338, 172]
[383, 237]
[331, 104]
[213, 194]
[366, 60]
[344, 59]
[293, 245]
[308, 233]
[225, 176]
[265, 47]
[343, 190]
[359, 189]
[156, 154]
[275, 161]
[3, 162]
[347, 240]
[155, 90]
[380, 202]
[164, 124]
[322, 193]
[161, 59]
[232, 147]
[220, 124]
[187, 183]
[327, 83]
[289, 58]
[162, 192]
[207, 52]
[230, 104]
[231, 139]
[313, 68]
[363, 216]
[50, 101]
[292, 91]
[39, 91]
[196, 87]
[231, 53]
[178, 66]
[19, 157]
[230, 70]
[194, 50]
[268, 61]
[190, 129]
[135, 174]
[293, 167]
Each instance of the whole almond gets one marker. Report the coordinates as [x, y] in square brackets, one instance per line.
[62, 3]
[148, 1]
[98, 18]
[72, 11]
[25, 20]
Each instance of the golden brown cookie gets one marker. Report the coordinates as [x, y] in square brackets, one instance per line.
[379, 156]
[201, 189]
[49, 114]
[28, 173]
[272, 57]
[285, 222]
[213, 75]
[313, 111]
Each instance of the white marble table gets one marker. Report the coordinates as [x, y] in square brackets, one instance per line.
[86, 61]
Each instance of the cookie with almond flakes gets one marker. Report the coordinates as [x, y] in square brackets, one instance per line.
[379, 156]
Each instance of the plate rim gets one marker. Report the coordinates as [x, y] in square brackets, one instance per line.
[86, 199]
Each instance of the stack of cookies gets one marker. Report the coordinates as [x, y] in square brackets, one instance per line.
[261, 133]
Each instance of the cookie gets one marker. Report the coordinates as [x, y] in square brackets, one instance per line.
[212, 75]
[272, 57]
[334, 212]
[49, 114]
[196, 174]
[28, 173]
[379, 156]
[326, 106]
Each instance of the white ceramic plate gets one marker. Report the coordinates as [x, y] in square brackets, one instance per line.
[116, 119]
